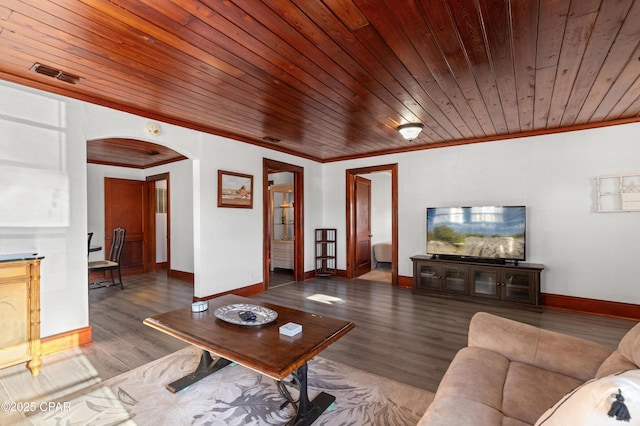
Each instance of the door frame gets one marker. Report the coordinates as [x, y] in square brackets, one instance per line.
[151, 212]
[273, 166]
[351, 217]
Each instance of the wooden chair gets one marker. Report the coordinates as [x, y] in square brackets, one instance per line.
[113, 263]
[89, 236]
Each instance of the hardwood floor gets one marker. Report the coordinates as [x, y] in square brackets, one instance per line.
[121, 340]
[399, 335]
[279, 277]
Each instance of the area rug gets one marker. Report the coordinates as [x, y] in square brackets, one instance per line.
[235, 395]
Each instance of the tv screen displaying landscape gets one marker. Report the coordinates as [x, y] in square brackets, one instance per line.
[480, 232]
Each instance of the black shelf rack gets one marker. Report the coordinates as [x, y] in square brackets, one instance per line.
[326, 252]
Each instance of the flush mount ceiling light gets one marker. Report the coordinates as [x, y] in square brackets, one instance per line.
[410, 131]
[152, 129]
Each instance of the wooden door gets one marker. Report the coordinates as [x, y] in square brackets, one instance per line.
[126, 206]
[363, 225]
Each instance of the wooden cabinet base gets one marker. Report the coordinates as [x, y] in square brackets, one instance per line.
[508, 284]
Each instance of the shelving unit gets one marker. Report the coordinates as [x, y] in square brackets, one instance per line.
[326, 252]
[618, 193]
[282, 212]
[282, 222]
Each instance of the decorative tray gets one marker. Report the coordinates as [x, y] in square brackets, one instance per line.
[242, 314]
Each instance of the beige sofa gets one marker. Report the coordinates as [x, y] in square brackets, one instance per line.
[516, 374]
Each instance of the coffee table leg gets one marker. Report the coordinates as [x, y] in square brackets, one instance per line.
[309, 411]
[205, 368]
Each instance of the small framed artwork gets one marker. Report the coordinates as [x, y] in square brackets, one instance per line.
[235, 190]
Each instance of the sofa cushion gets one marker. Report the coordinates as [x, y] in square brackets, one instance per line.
[569, 355]
[590, 403]
[483, 385]
[549, 350]
[450, 410]
[511, 372]
[529, 391]
[475, 374]
[615, 363]
[626, 357]
[629, 346]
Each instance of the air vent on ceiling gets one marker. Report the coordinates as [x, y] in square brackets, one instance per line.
[55, 73]
[271, 139]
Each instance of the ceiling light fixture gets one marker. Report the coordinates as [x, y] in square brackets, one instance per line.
[152, 129]
[410, 131]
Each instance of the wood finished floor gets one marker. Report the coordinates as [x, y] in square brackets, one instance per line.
[399, 335]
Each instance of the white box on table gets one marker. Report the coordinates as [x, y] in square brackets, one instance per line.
[290, 329]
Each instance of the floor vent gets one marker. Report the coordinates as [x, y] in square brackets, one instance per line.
[55, 73]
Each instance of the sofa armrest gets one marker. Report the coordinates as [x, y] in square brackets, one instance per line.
[549, 350]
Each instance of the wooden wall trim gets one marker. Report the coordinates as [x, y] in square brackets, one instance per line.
[405, 282]
[181, 275]
[494, 138]
[65, 341]
[248, 291]
[591, 306]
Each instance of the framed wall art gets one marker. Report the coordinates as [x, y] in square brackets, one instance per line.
[235, 190]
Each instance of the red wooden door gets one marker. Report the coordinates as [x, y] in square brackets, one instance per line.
[363, 225]
[125, 206]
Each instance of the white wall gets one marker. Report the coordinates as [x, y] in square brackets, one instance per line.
[42, 135]
[586, 254]
[231, 238]
[380, 206]
[222, 246]
[227, 242]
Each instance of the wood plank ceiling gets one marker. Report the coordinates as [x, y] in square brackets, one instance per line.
[332, 79]
[130, 153]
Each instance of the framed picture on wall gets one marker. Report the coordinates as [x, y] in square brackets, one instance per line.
[235, 190]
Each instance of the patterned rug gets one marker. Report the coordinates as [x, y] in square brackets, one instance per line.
[235, 396]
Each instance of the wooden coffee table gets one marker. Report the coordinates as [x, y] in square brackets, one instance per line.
[261, 348]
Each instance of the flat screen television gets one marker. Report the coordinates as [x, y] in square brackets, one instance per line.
[495, 233]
